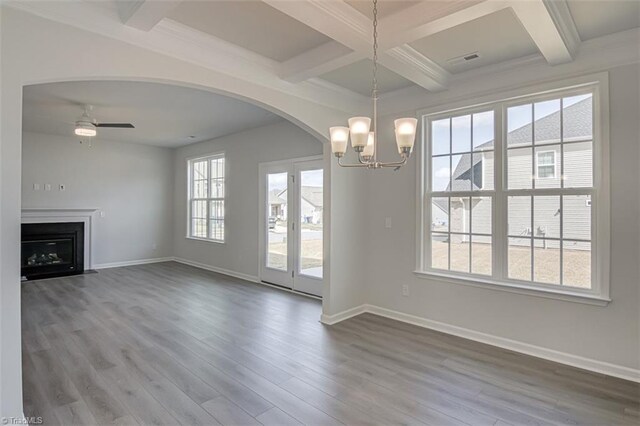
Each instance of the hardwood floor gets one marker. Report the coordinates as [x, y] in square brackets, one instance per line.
[171, 344]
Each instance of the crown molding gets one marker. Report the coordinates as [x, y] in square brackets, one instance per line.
[561, 16]
[432, 75]
[317, 61]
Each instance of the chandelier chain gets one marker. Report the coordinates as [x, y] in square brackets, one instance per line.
[374, 89]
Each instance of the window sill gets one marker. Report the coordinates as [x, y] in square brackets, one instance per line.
[206, 240]
[568, 296]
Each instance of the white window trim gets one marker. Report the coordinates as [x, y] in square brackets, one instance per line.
[190, 161]
[538, 165]
[599, 294]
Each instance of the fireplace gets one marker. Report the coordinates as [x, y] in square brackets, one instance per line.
[52, 249]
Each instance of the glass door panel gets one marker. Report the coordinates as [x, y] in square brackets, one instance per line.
[311, 199]
[277, 224]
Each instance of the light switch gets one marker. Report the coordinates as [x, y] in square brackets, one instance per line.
[387, 222]
[47, 187]
[102, 213]
[36, 187]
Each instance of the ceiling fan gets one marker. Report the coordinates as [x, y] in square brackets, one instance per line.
[86, 125]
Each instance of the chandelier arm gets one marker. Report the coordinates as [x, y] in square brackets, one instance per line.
[341, 164]
[404, 160]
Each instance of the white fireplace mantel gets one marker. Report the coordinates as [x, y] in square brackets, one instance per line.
[53, 215]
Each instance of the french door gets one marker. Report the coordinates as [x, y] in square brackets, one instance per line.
[291, 224]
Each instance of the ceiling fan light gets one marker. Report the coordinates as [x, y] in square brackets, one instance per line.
[359, 129]
[85, 129]
[339, 138]
[405, 132]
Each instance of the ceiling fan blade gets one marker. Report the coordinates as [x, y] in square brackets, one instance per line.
[116, 125]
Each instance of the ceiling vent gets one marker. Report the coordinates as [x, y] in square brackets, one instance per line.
[464, 58]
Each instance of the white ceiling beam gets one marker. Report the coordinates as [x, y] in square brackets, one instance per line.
[348, 27]
[145, 14]
[550, 25]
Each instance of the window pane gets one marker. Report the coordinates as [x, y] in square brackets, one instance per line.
[548, 166]
[216, 209]
[519, 216]
[576, 260]
[440, 139]
[439, 251]
[461, 172]
[217, 188]
[199, 209]
[459, 253]
[481, 255]
[546, 262]
[199, 228]
[519, 168]
[482, 173]
[440, 214]
[519, 125]
[578, 165]
[216, 228]
[461, 133]
[546, 216]
[577, 120]
[547, 121]
[483, 131]
[459, 214]
[576, 217]
[481, 215]
[520, 259]
[200, 169]
[277, 221]
[440, 173]
[200, 188]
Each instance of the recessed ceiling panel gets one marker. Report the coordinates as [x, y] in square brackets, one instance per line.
[496, 37]
[163, 115]
[358, 76]
[385, 7]
[598, 18]
[253, 25]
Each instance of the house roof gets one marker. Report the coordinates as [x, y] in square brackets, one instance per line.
[274, 197]
[312, 194]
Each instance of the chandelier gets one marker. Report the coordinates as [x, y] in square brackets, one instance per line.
[365, 142]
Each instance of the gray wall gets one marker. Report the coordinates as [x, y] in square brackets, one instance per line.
[609, 334]
[243, 152]
[131, 183]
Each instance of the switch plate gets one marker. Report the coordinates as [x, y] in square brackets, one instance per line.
[102, 213]
[405, 290]
[387, 222]
[36, 187]
[47, 187]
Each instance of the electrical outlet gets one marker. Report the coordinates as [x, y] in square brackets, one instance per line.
[154, 246]
[387, 222]
[405, 290]
[62, 187]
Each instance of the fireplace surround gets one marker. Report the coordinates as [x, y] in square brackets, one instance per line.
[52, 249]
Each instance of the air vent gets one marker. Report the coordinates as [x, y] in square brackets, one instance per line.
[463, 59]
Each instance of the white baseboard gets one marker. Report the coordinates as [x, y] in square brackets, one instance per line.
[341, 316]
[132, 262]
[222, 271]
[489, 339]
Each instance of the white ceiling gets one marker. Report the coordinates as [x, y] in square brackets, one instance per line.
[163, 115]
[252, 25]
[358, 77]
[385, 7]
[496, 37]
[598, 18]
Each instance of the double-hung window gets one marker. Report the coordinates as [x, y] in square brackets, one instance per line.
[206, 198]
[514, 195]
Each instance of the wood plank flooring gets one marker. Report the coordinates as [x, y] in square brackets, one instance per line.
[171, 344]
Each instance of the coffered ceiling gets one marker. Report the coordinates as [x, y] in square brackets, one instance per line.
[322, 48]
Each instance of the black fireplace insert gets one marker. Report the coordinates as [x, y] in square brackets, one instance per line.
[52, 249]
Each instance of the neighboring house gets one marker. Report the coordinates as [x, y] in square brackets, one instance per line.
[311, 205]
[477, 173]
[277, 204]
